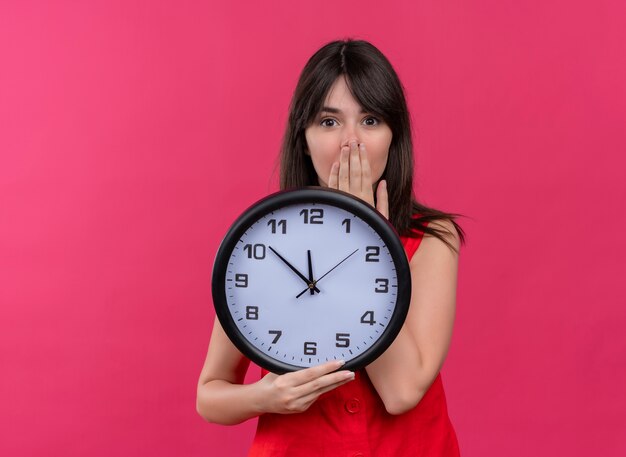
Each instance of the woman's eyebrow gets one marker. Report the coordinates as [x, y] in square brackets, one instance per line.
[330, 109]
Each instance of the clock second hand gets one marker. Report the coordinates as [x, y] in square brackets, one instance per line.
[300, 275]
[314, 283]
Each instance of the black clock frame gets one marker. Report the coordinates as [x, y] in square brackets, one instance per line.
[311, 195]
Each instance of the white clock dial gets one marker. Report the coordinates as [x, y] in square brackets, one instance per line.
[304, 282]
[279, 314]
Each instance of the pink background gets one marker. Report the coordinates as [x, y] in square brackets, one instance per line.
[133, 133]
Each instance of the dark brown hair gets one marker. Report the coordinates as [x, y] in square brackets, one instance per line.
[375, 85]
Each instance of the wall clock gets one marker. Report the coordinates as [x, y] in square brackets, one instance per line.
[311, 275]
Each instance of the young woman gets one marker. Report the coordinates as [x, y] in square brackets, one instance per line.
[349, 129]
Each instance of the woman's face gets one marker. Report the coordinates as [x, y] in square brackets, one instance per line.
[341, 120]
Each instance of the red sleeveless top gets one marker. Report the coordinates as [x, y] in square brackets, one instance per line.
[351, 421]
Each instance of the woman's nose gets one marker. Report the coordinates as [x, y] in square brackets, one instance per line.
[348, 139]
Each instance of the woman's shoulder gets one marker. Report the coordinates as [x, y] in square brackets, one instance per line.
[440, 224]
[424, 226]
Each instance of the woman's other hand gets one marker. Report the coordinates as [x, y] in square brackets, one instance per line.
[352, 174]
[295, 392]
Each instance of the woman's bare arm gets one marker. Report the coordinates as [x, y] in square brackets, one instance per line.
[403, 374]
[221, 395]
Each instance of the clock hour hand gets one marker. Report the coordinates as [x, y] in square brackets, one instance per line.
[314, 283]
[300, 275]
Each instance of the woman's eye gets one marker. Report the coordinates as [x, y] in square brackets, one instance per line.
[371, 121]
[328, 122]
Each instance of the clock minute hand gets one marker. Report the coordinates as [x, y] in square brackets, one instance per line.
[314, 283]
[300, 275]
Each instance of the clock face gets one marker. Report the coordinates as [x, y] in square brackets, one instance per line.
[308, 276]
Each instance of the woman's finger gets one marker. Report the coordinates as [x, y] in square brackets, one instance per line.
[355, 169]
[307, 375]
[333, 179]
[344, 169]
[323, 382]
[366, 180]
[311, 397]
[382, 199]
